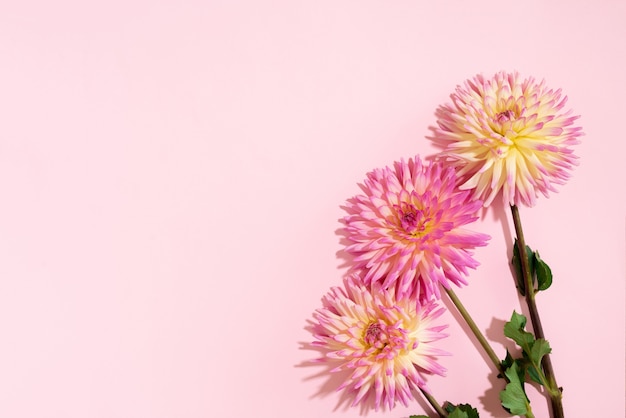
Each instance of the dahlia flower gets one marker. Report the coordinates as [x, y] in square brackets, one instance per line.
[406, 230]
[384, 345]
[508, 134]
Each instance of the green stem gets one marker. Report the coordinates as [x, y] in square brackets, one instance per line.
[481, 339]
[553, 389]
[433, 402]
[477, 333]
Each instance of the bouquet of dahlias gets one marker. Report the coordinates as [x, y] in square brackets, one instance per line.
[409, 244]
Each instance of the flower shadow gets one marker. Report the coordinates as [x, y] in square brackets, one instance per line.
[333, 379]
[346, 258]
[491, 398]
[436, 141]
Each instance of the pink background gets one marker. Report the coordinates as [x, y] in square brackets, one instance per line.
[171, 175]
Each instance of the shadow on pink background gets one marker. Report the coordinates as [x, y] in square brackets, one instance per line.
[172, 173]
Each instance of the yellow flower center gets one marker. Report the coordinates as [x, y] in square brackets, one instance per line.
[503, 123]
[373, 334]
[413, 220]
[505, 116]
[384, 339]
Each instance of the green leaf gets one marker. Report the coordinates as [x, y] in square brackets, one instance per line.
[544, 273]
[418, 416]
[539, 349]
[533, 350]
[514, 329]
[506, 363]
[534, 374]
[517, 266]
[513, 396]
[457, 413]
[461, 411]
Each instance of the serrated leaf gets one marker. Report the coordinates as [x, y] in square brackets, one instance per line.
[522, 366]
[517, 266]
[462, 411]
[506, 363]
[533, 350]
[534, 374]
[513, 397]
[544, 273]
[539, 349]
[457, 413]
[514, 329]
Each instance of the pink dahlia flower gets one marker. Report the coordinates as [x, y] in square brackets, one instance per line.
[407, 229]
[384, 344]
[508, 134]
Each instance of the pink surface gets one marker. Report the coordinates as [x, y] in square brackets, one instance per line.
[171, 175]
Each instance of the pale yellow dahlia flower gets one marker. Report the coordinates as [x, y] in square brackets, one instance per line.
[508, 134]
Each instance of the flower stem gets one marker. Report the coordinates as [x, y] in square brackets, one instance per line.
[433, 402]
[477, 333]
[553, 390]
[483, 341]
